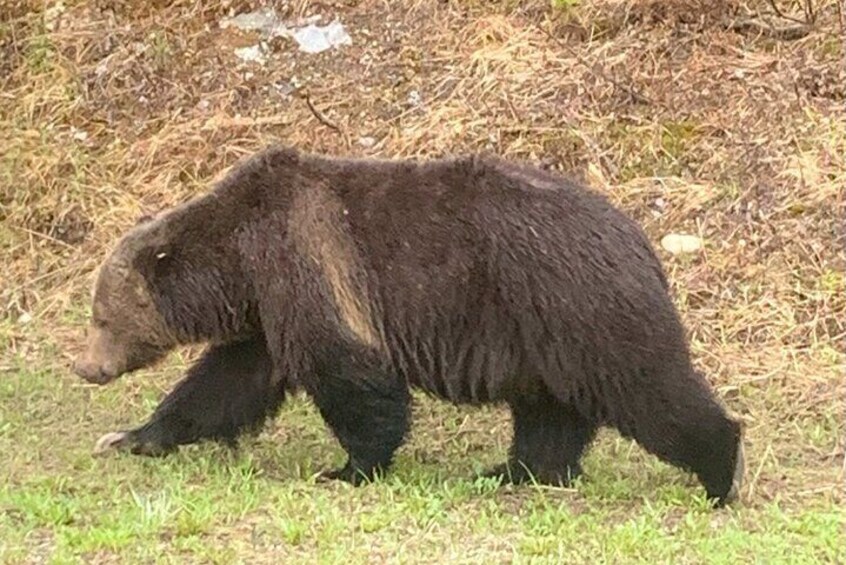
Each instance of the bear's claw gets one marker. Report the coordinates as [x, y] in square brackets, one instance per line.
[351, 474]
[110, 441]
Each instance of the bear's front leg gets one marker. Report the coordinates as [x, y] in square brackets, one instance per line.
[228, 391]
[366, 407]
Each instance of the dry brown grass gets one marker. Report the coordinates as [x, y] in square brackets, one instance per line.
[689, 122]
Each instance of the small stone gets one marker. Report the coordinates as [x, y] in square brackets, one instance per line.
[251, 54]
[52, 16]
[677, 243]
[414, 98]
[102, 68]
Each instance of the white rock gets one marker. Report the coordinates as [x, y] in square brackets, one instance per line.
[52, 15]
[367, 141]
[265, 21]
[251, 54]
[315, 39]
[414, 98]
[677, 243]
[102, 67]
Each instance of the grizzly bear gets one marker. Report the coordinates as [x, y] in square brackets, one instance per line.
[473, 279]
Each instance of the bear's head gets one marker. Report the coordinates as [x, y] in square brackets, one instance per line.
[167, 282]
[127, 331]
[177, 276]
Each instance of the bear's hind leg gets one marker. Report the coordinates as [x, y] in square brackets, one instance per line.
[228, 391]
[549, 440]
[367, 410]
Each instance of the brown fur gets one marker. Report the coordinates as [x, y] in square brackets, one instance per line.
[315, 222]
[474, 279]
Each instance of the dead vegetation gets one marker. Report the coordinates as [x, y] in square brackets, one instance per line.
[689, 116]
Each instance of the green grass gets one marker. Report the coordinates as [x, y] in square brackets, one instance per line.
[210, 504]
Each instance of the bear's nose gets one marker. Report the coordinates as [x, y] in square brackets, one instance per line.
[91, 372]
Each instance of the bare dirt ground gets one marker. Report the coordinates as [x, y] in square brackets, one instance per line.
[719, 119]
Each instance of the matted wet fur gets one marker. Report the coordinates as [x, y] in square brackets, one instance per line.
[474, 279]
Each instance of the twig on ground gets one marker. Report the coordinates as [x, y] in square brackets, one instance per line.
[777, 11]
[318, 114]
[767, 29]
[810, 14]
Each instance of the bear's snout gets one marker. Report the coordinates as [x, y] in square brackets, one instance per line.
[104, 358]
[93, 372]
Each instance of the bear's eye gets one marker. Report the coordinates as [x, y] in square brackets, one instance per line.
[154, 262]
[162, 262]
